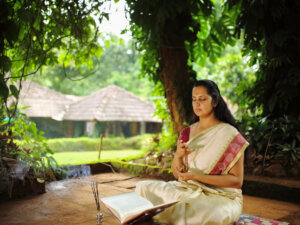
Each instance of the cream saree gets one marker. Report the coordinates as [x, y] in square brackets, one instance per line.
[216, 150]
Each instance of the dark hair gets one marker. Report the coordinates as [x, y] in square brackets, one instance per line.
[221, 110]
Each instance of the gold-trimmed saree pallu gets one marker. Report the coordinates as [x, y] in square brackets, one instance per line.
[216, 150]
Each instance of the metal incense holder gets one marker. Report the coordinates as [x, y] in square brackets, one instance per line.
[99, 218]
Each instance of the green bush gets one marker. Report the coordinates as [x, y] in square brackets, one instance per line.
[92, 144]
[276, 139]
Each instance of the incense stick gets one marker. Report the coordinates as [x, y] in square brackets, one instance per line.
[186, 161]
[94, 186]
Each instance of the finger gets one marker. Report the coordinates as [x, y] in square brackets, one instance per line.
[177, 170]
[179, 142]
[182, 145]
[181, 176]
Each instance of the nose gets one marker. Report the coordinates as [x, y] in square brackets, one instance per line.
[198, 101]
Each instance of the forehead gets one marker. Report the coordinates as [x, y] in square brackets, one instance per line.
[199, 91]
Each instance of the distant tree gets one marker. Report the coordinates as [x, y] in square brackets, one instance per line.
[232, 74]
[119, 64]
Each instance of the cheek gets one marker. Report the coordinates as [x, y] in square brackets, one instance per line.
[208, 106]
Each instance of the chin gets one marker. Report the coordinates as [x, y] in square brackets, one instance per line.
[199, 114]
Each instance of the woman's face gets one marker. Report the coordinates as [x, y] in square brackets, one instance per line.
[202, 102]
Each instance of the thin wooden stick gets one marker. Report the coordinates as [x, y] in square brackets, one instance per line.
[186, 162]
[100, 146]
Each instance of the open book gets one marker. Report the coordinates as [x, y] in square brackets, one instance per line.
[130, 208]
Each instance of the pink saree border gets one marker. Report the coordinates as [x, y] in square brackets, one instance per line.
[231, 153]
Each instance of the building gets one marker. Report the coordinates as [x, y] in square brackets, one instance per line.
[110, 111]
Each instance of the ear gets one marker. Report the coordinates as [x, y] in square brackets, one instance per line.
[215, 103]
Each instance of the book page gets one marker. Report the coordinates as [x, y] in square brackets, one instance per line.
[126, 205]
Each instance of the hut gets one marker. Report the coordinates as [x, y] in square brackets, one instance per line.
[46, 108]
[113, 110]
[110, 111]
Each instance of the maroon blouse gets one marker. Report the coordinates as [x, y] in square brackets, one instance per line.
[185, 134]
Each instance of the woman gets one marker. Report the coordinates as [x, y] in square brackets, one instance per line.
[208, 164]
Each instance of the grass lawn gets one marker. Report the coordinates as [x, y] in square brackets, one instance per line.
[77, 158]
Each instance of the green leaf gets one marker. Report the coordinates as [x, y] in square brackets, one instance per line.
[14, 91]
[272, 102]
[11, 32]
[124, 31]
[37, 21]
[5, 63]
[24, 15]
[4, 91]
[294, 158]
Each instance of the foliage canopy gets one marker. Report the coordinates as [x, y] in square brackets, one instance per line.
[173, 36]
[31, 34]
[167, 32]
[33, 31]
[272, 38]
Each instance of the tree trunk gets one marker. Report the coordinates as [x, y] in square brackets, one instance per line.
[177, 82]
[176, 76]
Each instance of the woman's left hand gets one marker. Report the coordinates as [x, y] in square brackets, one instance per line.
[186, 176]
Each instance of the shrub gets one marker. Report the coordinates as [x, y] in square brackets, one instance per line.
[274, 140]
[92, 144]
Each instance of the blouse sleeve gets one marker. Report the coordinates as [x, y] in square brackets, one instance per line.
[185, 134]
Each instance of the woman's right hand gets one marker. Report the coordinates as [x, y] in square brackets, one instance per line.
[177, 164]
[182, 149]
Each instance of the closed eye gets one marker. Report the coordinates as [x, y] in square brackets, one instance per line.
[200, 99]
